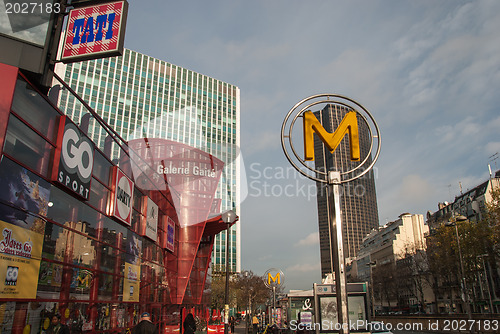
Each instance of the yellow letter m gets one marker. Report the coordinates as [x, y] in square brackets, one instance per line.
[348, 125]
[270, 277]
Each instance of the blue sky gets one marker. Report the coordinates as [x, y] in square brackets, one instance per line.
[428, 71]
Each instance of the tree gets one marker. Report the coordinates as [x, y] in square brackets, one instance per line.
[413, 273]
[450, 246]
[251, 290]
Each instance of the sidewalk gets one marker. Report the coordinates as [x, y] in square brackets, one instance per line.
[240, 328]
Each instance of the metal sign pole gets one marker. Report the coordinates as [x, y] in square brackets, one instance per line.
[333, 179]
[338, 250]
[274, 305]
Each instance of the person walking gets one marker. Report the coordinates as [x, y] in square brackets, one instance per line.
[189, 324]
[231, 324]
[255, 323]
[145, 326]
[56, 327]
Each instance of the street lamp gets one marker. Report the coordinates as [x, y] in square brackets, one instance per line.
[487, 281]
[371, 265]
[228, 217]
[465, 294]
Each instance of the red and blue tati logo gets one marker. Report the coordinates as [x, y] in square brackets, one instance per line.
[95, 31]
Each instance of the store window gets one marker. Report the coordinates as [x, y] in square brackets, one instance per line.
[28, 147]
[34, 109]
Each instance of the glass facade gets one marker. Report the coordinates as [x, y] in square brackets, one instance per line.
[358, 202]
[143, 97]
[62, 254]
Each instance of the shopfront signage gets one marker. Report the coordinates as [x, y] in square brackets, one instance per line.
[170, 235]
[151, 230]
[20, 250]
[75, 157]
[123, 196]
[192, 170]
[94, 32]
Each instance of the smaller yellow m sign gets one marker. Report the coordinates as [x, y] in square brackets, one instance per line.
[349, 125]
[274, 279]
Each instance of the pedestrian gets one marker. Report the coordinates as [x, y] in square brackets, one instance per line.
[255, 323]
[56, 327]
[189, 324]
[145, 326]
[231, 324]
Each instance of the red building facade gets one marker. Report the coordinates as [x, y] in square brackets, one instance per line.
[94, 228]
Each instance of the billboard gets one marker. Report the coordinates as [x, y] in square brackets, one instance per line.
[95, 31]
[170, 239]
[74, 159]
[21, 229]
[151, 220]
[122, 198]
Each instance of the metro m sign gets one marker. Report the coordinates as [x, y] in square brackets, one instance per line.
[95, 32]
[349, 125]
[271, 280]
[276, 279]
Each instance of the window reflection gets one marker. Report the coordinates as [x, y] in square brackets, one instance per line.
[27, 146]
[35, 110]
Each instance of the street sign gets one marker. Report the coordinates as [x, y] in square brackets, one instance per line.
[354, 113]
[356, 121]
[273, 278]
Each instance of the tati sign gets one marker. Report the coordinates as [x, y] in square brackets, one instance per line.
[94, 32]
[74, 159]
[123, 196]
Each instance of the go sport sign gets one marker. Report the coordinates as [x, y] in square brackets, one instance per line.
[75, 157]
[356, 120]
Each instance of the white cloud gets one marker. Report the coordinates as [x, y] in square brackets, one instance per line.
[493, 148]
[414, 189]
[311, 239]
[304, 267]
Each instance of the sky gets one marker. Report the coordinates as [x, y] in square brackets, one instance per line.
[428, 72]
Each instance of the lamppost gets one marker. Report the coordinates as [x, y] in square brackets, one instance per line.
[487, 281]
[228, 217]
[371, 265]
[465, 294]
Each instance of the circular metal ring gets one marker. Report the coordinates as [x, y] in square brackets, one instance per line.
[321, 176]
[268, 273]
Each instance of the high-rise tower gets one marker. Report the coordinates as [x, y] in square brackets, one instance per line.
[143, 97]
[358, 200]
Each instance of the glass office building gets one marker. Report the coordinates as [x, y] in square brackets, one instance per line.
[358, 202]
[143, 97]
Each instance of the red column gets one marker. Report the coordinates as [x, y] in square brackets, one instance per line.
[116, 281]
[8, 75]
[94, 288]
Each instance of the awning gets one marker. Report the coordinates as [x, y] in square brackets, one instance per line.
[215, 225]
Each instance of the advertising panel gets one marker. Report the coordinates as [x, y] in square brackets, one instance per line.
[20, 252]
[122, 198]
[94, 32]
[131, 281]
[74, 159]
[328, 313]
[170, 240]
[21, 233]
[151, 230]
